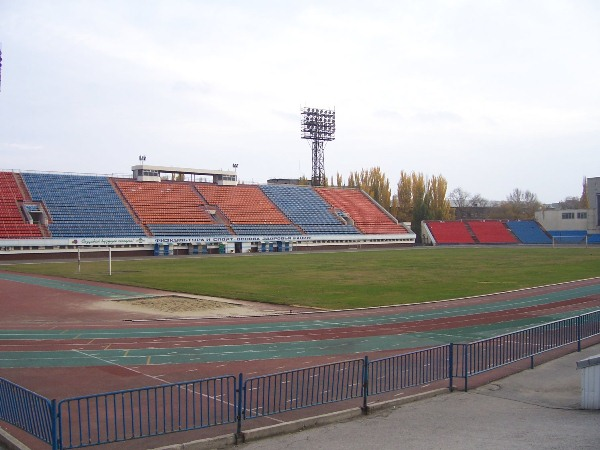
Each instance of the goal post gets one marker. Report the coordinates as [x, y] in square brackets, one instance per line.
[579, 240]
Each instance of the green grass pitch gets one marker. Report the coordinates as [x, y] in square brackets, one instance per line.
[336, 280]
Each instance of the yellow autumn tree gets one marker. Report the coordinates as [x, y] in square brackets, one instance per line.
[439, 205]
[373, 182]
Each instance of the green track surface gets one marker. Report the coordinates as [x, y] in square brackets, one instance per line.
[252, 352]
[80, 288]
[312, 348]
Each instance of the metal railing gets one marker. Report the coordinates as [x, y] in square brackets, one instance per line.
[302, 388]
[492, 353]
[152, 411]
[28, 411]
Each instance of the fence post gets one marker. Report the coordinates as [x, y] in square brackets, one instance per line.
[451, 366]
[239, 436]
[465, 364]
[365, 385]
[578, 322]
[54, 435]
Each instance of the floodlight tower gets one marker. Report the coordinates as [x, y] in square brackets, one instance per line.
[318, 125]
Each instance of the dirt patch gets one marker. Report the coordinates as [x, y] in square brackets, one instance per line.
[176, 304]
[184, 306]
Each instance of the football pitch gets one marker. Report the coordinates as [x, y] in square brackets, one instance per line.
[340, 280]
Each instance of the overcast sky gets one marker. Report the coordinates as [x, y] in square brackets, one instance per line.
[492, 95]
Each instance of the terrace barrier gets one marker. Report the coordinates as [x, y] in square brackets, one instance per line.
[152, 411]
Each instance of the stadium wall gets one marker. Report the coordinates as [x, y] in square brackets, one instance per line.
[20, 249]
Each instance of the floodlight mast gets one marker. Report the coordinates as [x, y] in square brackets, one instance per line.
[318, 125]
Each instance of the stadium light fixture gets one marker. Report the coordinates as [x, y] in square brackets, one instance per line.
[318, 125]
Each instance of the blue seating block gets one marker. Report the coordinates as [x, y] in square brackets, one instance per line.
[82, 206]
[529, 232]
[307, 209]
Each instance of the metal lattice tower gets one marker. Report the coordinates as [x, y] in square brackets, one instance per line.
[318, 125]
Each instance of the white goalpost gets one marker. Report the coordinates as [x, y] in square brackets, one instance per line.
[579, 240]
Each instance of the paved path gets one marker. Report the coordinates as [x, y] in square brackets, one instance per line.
[534, 409]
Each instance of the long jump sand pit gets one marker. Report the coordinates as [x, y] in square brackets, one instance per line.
[191, 306]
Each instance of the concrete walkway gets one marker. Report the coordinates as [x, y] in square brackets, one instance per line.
[536, 408]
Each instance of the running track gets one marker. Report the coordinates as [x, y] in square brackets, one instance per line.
[57, 341]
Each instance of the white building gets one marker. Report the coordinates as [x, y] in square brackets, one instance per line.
[563, 221]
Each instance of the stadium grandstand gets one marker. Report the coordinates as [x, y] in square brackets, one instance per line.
[164, 210]
[468, 232]
[552, 226]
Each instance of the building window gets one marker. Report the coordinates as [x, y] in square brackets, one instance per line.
[568, 215]
[582, 215]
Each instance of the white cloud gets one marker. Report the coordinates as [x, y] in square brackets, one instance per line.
[442, 87]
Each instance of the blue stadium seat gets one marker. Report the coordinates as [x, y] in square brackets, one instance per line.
[82, 206]
[180, 230]
[265, 230]
[529, 232]
[307, 209]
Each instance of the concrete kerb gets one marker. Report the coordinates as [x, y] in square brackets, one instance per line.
[222, 442]
[8, 442]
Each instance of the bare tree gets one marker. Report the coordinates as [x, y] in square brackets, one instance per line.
[520, 205]
[460, 201]
[570, 203]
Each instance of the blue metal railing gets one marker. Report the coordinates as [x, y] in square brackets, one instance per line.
[489, 354]
[302, 388]
[27, 410]
[152, 411]
[409, 370]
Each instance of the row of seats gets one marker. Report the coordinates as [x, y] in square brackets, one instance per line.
[81, 206]
[12, 222]
[451, 232]
[307, 209]
[164, 202]
[261, 230]
[529, 232]
[367, 216]
[94, 206]
[487, 232]
[189, 230]
[242, 204]
[491, 232]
